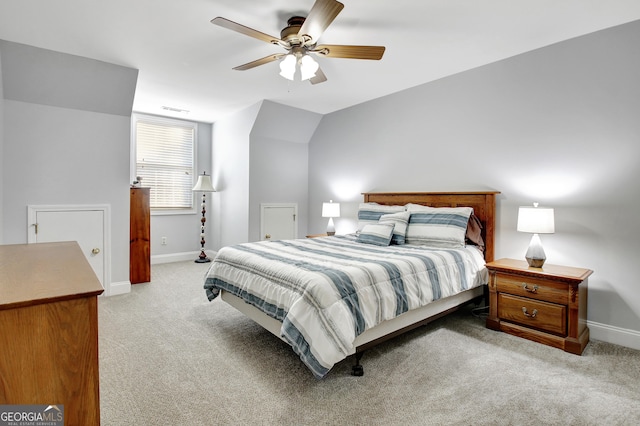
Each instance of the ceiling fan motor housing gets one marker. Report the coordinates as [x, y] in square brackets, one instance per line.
[289, 34]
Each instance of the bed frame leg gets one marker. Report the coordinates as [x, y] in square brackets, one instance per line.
[358, 370]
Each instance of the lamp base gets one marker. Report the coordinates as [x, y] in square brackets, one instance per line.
[535, 263]
[202, 258]
[331, 229]
[535, 253]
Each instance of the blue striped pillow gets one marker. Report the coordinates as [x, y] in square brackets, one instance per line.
[369, 213]
[444, 227]
[400, 221]
[378, 234]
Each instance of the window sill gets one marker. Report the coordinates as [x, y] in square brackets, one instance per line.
[168, 212]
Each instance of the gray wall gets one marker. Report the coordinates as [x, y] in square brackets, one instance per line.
[230, 151]
[65, 139]
[260, 155]
[559, 125]
[279, 157]
[278, 175]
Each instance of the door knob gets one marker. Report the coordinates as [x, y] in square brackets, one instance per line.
[95, 250]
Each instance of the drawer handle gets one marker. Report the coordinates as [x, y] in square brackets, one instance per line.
[530, 290]
[529, 315]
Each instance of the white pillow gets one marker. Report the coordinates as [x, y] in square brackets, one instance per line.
[443, 227]
[378, 234]
[400, 221]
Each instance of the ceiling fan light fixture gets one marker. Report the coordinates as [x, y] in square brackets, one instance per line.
[308, 67]
[288, 67]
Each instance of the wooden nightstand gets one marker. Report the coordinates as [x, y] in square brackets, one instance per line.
[547, 305]
[317, 235]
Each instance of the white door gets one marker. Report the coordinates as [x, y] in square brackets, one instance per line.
[278, 221]
[86, 226]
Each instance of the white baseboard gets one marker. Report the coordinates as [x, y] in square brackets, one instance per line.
[122, 287]
[174, 257]
[615, 335]
[179, 257]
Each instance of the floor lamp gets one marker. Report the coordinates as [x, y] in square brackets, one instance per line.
[203, 185]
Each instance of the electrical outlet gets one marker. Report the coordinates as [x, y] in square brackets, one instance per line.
[164, 241]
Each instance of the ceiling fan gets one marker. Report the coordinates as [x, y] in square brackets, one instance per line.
[299, 38]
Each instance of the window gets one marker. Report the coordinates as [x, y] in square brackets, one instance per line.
[165, 158]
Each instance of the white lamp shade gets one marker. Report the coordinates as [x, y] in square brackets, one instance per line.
[288, 67]
[204, 184]
[330, 209]
[536, 220]
[308, 67]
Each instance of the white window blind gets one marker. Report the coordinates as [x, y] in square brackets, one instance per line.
[165, 162]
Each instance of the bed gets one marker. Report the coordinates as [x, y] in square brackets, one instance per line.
[332, 297]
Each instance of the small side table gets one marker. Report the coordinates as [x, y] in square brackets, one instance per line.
[547, 305]
[317, 235]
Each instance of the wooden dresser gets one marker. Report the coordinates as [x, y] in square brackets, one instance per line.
[547, 305]
[49, 329]
[140, 236]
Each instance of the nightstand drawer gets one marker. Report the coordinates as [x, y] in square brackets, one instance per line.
[534, 288]
[545, 316]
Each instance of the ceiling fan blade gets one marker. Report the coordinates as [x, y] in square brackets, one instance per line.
[320, 17]
[350, 52]
[234, 26]
[318, 78]
[259, 62]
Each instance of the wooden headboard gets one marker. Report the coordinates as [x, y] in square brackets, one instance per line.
[483, 203]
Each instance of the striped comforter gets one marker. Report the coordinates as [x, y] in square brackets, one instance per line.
[327, 291]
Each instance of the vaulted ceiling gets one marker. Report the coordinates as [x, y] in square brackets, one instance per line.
[186, 63]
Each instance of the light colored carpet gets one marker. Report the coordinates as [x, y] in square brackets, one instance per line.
[170, 357]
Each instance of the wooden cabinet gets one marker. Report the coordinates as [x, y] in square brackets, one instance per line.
[547, 305]
[140, 236]
[49, 329]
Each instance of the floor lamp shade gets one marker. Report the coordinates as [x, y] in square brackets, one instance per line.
[536, 220]
[331, 210]
[203, 185]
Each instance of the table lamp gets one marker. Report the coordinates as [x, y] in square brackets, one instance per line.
[536, 220]
[331, 210]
